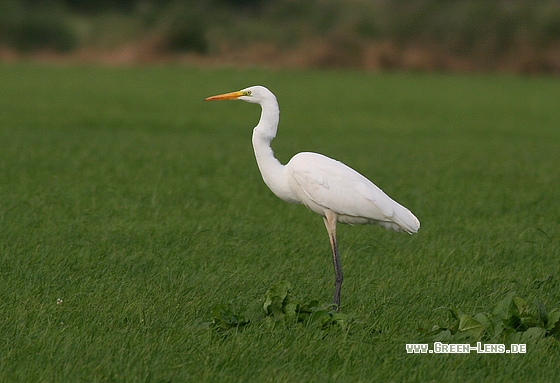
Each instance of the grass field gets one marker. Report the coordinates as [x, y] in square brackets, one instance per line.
[129, 208]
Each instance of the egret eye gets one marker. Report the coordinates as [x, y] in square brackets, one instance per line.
[247, 93]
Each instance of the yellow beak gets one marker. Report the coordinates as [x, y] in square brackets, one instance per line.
[225, 96]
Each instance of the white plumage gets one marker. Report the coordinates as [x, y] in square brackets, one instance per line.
[328, 187]
[322, 183]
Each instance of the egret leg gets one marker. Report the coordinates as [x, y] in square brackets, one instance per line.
[330, 223]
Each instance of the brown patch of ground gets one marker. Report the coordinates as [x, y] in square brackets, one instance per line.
[310, 54]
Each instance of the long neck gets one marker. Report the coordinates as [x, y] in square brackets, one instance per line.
[271, 169]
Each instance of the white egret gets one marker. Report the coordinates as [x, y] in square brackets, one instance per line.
[326, 186]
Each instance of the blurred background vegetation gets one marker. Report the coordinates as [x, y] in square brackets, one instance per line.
[520, 36]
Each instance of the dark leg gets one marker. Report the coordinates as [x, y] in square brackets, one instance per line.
[330, 223]
[338, 277]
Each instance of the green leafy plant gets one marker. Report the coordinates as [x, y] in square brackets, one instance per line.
[509, 321]
[224, 318]
[280, 305]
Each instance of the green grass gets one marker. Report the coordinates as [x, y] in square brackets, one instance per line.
[129, 209]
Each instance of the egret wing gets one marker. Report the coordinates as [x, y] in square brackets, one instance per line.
[321, 182]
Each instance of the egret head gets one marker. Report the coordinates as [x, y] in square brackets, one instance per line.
[254, 94]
